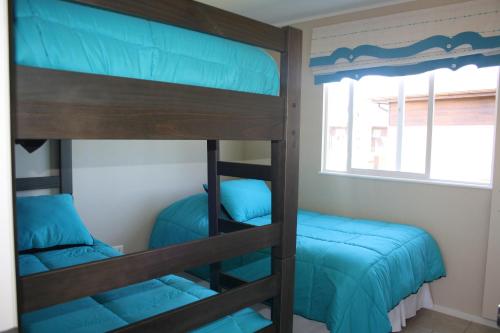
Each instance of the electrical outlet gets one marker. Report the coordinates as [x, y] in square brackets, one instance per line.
[119, 248]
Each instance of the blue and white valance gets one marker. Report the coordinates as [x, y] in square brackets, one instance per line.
[413, 42]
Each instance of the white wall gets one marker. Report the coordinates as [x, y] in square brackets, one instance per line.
[8, 307]
[457, 217]
[121, 186]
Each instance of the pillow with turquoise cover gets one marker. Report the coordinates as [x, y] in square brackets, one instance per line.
[245, 199]
[49, 220]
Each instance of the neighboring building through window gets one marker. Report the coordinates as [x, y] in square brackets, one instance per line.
[438, 125]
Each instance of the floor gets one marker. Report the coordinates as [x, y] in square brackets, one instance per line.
[427, 321]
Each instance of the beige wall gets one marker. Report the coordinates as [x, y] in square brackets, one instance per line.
[457, 217]
[121, 186]
[492, 286]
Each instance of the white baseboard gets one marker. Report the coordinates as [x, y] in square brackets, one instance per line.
[464, 316]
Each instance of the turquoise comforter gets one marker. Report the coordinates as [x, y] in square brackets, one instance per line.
[67, 36]
[119, 307]
[349, 274]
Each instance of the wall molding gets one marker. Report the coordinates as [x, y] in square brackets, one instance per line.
[465, 316]
[12, 330]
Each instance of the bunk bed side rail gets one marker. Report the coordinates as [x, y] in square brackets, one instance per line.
[194, 315]
[52, 104]
[61, 285]
[199, 17]
[244, 170]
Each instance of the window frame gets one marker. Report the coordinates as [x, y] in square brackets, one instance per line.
[397, 175]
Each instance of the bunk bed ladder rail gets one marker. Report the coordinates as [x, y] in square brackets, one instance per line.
[283, 174]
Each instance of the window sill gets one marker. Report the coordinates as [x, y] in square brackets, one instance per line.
[408, 180]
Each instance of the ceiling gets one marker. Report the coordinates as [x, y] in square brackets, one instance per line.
[287, 11]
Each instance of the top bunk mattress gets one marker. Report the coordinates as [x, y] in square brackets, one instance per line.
[62, 35]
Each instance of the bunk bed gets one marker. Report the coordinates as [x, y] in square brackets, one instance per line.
[99, 100]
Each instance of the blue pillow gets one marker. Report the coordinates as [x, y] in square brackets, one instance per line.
[245, 199]
[49, 220]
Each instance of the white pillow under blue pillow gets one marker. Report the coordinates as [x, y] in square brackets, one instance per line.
[245, 199]
[49, 220]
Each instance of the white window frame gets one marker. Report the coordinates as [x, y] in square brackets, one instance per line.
[398, 175]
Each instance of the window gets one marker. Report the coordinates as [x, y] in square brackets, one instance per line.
[437, 126]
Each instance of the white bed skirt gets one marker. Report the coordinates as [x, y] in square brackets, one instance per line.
[408, 307]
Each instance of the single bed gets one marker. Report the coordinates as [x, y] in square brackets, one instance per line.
[349, 273]
[112, 309]
[62, 35]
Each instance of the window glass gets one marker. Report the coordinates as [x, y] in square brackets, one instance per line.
[416, 96]
[336, 130]
[374, 130]
[389, 118]
[464, 124]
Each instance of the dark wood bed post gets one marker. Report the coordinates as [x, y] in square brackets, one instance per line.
[66, 166]
[285, 174]
[213, 205]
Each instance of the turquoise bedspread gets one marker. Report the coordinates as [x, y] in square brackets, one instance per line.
[349, 273]
[66, 36]
[119, 307]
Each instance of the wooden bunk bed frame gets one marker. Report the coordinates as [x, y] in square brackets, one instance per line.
[61, 105]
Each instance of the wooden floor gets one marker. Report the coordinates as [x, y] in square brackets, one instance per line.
[433, 322]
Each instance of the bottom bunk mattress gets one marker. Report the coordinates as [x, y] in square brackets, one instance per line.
[120, 307]
[349, 273]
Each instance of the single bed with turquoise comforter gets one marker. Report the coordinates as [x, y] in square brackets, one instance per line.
[63, 35]
[119, 307]
[349, 273]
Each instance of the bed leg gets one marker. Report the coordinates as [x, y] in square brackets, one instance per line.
[282, 305]
[213, 206]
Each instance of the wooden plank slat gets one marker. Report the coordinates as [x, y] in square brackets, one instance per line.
[57, 286]
[232, 226]
[199, 17]
[37, 183]
[54, 104]
[245, 170]
[193, 315]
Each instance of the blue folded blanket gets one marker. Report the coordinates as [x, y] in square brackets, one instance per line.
[349, 274]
